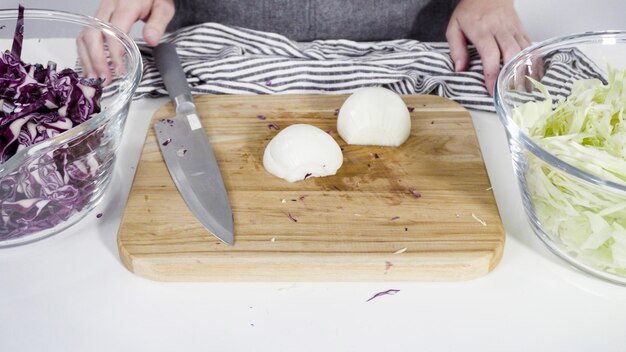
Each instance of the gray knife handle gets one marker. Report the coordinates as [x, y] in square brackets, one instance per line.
[168, 63]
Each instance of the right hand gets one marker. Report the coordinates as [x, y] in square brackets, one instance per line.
[122, 13]
[493, 27]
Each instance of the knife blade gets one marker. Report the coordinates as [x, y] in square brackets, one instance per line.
[188, 154]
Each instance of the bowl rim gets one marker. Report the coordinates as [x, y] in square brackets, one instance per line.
[513, 129]
[117, 105]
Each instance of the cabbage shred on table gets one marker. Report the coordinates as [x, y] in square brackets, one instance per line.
[587, 131]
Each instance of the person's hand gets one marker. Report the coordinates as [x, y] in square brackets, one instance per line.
[122, 13]
[493, 27]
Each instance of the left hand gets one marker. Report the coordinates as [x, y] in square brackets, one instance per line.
[493, 27]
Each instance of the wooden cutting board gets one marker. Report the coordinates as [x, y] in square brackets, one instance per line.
[366, 223]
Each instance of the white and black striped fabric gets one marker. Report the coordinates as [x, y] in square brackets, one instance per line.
[218, 59]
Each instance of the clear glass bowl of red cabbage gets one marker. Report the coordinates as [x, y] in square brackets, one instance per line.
[54, 170]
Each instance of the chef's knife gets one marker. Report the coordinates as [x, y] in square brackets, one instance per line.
[188, 154]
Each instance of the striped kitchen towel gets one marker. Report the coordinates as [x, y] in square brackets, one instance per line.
[218, 59]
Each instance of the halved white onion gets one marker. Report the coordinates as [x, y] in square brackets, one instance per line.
[374, 116]
[301, 151]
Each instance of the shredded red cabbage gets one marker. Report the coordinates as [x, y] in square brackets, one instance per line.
[38, 103]
[47, 189]
[18, 37]
[388, 292]
[415, 193]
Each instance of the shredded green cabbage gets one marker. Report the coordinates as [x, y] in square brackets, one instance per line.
[588, 131]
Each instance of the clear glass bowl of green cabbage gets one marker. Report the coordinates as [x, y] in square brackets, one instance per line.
[563, 105]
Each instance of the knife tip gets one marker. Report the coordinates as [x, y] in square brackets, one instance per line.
[228, 237]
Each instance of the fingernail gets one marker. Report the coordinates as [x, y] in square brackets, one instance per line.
[457, 65]
[152, 35]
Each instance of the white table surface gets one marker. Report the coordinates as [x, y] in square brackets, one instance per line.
[70, 292]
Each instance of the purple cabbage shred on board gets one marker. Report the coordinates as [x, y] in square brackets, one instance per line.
[415, 193]
[38, 103]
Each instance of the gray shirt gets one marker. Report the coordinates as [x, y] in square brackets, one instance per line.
[306, 20]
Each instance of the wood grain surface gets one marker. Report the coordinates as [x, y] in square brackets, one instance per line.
[363, 224]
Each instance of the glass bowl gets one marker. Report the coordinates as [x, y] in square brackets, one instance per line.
[49, 186]
[576, 211]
